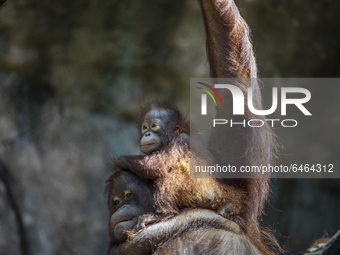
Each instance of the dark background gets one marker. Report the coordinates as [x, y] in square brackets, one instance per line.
[73, 75]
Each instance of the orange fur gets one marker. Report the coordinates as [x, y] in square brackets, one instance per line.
[175, 189]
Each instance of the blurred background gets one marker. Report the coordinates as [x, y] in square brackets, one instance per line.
[73, 75]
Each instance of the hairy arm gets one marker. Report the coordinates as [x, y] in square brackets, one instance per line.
[153, 236]
[145, 166]
[231, 55]
[229, 47]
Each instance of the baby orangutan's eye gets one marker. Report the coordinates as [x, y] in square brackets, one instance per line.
[155, 127]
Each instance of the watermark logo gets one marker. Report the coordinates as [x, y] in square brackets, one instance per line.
[236, 121]
[204, 97]
[295, 96]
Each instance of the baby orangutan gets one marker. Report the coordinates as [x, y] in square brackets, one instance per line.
[165, 137]
[161, 125]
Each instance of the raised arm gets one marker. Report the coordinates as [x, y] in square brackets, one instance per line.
[231, 55]
[229, 48]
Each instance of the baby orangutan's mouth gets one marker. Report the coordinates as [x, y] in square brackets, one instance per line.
[148, 144]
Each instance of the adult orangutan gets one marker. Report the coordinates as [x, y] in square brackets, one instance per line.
[230, 55]
[192, 231]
